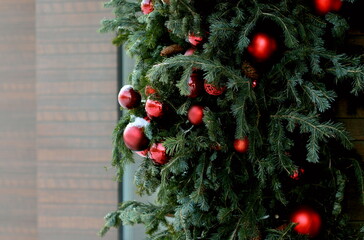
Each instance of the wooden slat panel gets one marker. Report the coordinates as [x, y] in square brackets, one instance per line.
[18, 205]
[76, 113]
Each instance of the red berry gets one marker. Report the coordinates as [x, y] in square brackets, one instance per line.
[147, 6]
[154, 108]
[309, 221]
[254, 83]
[297, 174]
[262, 47]
[195, 115]
[157, 153]
[128, 98]
[134, 136]
[241, 145]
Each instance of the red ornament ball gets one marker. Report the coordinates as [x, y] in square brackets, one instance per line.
[297, 174]
[190, 51]
[129, 98]
[154, 109]
[195, 85]
[241, 145]
[143, 153]
[149, 90]
[254, 83]
[195, 40]
[157, 153]
[262, 47]
[213, 90]
[134, 136]
[308, 221]
[195, 115]
[324, 6]
[147, 6]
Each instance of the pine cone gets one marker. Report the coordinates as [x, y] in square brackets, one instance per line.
[170, 50]
[249, 71]
[166, 1]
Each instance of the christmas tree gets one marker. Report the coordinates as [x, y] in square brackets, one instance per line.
[231, 105]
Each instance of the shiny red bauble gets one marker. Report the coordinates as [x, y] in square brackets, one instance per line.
[262, 47]
[254, 83]
[157, 153]
[213, 90]
[324, 6]
[308, 221]
[129, 98]
[195, 40]
[134, 136]
[195, 85]
[241, 145]
[154, 109]
[149, 90]
[146, 6]
[297, 174]
[195, 115]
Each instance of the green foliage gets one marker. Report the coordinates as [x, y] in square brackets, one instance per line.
[207, 190]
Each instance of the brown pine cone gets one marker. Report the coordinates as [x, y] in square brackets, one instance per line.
[249, 71]
[172, 49]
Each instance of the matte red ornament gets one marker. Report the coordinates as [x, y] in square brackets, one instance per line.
[297, 174]
[195, 40]
[262, 47]
[309, 221]
[195, 85]
[134, 136]
[147, 6]
[154, 109]
[149, 90]
[213, 90]
[195, 114]
[241, 145]
[157, 153]
[129, 98]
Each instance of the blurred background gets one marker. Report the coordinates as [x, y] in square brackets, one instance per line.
[59, 80]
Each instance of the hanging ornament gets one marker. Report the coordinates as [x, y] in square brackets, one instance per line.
[154, 109]
[129, 98]
[324, 6]
[195, 115]
[134, 135]
[194, 85]
[308, 221]
[149, 90]
[213, 90]
[190, 51]
[146, 6]
[143, 153]
[297, 174]
[172, 49]
[262, 47]
[195, 40]
[241, 145]
[157, 153]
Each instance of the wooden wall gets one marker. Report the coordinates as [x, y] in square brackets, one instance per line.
[18, 205]
[76, 113]
[57, 111]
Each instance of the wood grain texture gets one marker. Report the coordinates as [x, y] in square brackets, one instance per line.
[76, 113]
[18, 204]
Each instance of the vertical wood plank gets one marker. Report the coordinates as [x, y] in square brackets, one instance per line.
[18, 206]
[76, 113]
